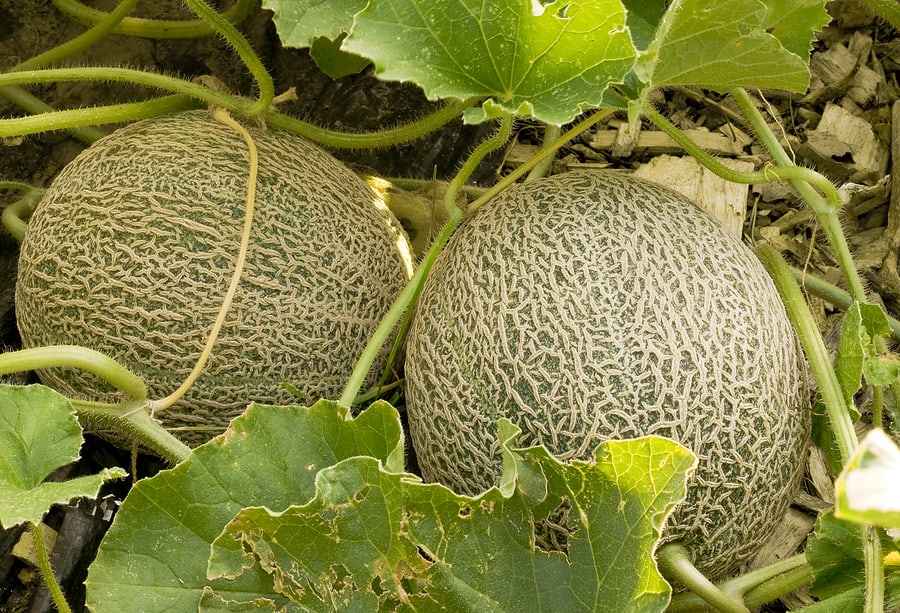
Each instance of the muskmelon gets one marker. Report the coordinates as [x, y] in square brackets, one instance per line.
[133, 246]
[591, 306]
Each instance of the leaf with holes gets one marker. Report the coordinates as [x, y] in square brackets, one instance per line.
[377, 540]
[154, 557]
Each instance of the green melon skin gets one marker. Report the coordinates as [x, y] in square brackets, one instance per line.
[132, 248]
[592, 306]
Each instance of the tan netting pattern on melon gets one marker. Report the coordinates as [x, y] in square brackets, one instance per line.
[132, 249]
[588, 307]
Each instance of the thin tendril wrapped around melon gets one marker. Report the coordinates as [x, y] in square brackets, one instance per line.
[131, 250]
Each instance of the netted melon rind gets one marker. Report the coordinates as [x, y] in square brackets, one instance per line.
[592, 305]
[132, 248]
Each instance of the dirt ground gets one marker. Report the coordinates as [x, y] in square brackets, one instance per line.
[847, 126]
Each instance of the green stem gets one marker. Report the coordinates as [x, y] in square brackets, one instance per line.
[814, 346]
[154, 28]
[31, 103]
[758, 587]
[835, 406]
[545, 152]
[877, 404]
[133, 421]
[43, 558]
[407, 297]
[14, 215]
[780, 173]
[674, 562]
[874, 564]
[825, 208]
[78, 44]
[73, 356]
[113, 113]
[240, 44]
[499, 138]
[125, 75]
[348, 140]
[17, 185]
[836, 296]
[826, 211]
[397, 310]
[551, 133]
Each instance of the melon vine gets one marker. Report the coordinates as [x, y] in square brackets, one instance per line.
[210, 256]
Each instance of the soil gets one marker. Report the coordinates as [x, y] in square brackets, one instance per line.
[861, 89]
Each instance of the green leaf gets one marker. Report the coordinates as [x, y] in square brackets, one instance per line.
[857, 355]
[547, 60]
[333, 61]
[38, 434]
[866, 489]
[644, 17]
[300, 22]
[834, 551]
[721, 45]
[373, 540]
[854, 348]
[320, 25]
[155, 555]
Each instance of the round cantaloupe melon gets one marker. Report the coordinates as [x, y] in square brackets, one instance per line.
[592, 306]
[132, 248]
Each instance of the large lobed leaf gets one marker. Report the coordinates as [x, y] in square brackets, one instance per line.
[373, 540]
[533, 59]
[552, 59]
[721, 45]
[155, 555]
[38, 434]
[305, 509]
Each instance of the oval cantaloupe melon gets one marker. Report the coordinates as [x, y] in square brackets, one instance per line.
[133, 246]
[593, 306]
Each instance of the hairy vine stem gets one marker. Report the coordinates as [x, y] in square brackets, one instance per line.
[836, 406]
[757, 587]
[368, 140]
[43, 557]
[777, 173]
[240, 44]
[405, 301]
[98, 115]
[97, 32]
[73, 356]
[154, 28]
[673, 559]
[14, 215]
